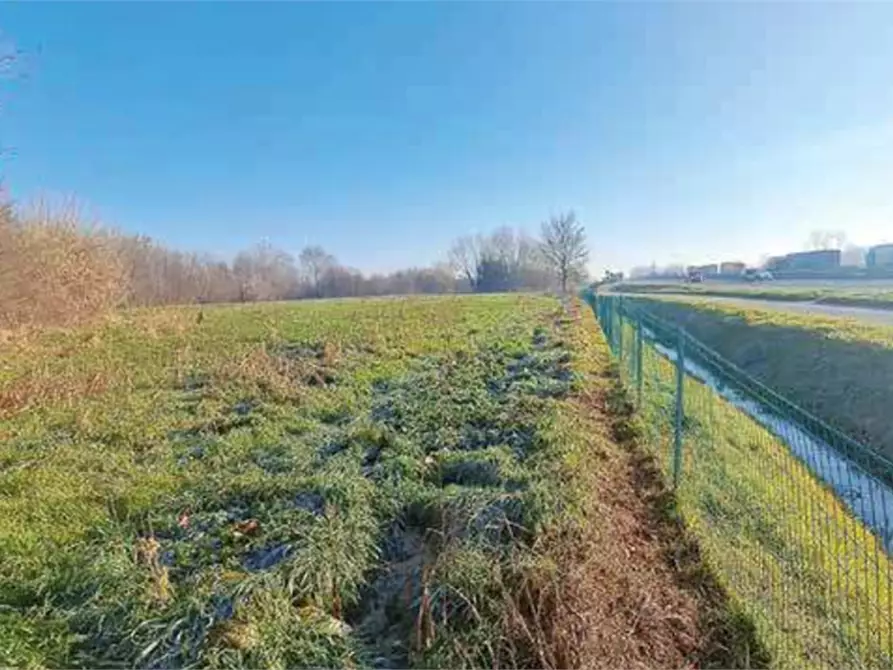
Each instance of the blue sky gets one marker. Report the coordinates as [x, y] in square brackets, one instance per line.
[678, 132]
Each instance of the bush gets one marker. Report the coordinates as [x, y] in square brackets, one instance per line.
[55, 272]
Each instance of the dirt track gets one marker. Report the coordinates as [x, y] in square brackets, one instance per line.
[650, 600]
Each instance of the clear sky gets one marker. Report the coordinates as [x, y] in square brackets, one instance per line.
[678, 132]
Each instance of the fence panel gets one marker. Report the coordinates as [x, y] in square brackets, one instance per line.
[793, 518]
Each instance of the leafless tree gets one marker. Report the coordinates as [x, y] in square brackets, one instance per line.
[853, 255]
[266, 273]
[564, 247]
[533, 271]
[464, 257]
[508, 256]
[315, 262]
[820, 240]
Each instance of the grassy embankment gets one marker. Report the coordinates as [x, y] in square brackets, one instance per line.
[387, 482]
[856, 296]
[818, 584]
[839, 369]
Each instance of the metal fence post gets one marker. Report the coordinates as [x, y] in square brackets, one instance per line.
[680, 407]
[615, 316]
[602, 316]
[620, 331]
[640, 375]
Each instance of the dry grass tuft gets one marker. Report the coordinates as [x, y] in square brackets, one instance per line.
[53, 271]
[42, 388]
[147, 554]
[262, 371]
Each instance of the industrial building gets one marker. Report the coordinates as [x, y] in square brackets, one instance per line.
[732, 268]
[705, 270]
[880, 256]
[824, 259]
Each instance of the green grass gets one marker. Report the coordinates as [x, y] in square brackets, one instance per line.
[320, 484]
[817, 583]
[855, 296]
[839, 369]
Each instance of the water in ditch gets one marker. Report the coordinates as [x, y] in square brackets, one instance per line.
[869, 499]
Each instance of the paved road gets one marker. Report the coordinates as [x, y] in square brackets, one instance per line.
[860, 284]
[868, 315]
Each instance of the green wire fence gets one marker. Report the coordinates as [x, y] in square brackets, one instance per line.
[794, 518]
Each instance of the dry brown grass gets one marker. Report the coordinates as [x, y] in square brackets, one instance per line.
[259, 370]
[281, 374]
[56, 270]
[618, 602]
[53, 271]
[39, 389]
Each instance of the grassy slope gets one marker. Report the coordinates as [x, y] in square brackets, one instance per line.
[818, 584]
[335, 483]
[837, 368]
[858, 296]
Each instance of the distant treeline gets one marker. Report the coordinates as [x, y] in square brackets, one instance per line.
[55, 271]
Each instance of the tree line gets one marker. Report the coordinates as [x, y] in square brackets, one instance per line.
[54, 270]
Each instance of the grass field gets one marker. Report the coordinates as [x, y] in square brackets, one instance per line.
[348, 483]
[817, 582]
[856, 295]
[837, 368]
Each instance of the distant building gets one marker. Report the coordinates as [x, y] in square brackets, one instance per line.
[880, 256]
[706, 270]
[732, 268]
[776, 263]
[823, 259]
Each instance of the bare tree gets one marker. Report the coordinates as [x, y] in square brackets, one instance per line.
[504, 260]
[820, 240]
[315, 263]
[265, 273]
[464, 257]
[532, 270]
[853, 255]
[564, 248]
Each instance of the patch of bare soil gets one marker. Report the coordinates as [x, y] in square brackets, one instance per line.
[642, 594]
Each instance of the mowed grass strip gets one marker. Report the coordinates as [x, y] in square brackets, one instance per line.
[343, 483]
[838, 369]
[814, 579]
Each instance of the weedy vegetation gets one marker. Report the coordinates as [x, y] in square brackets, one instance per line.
[393, 482]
